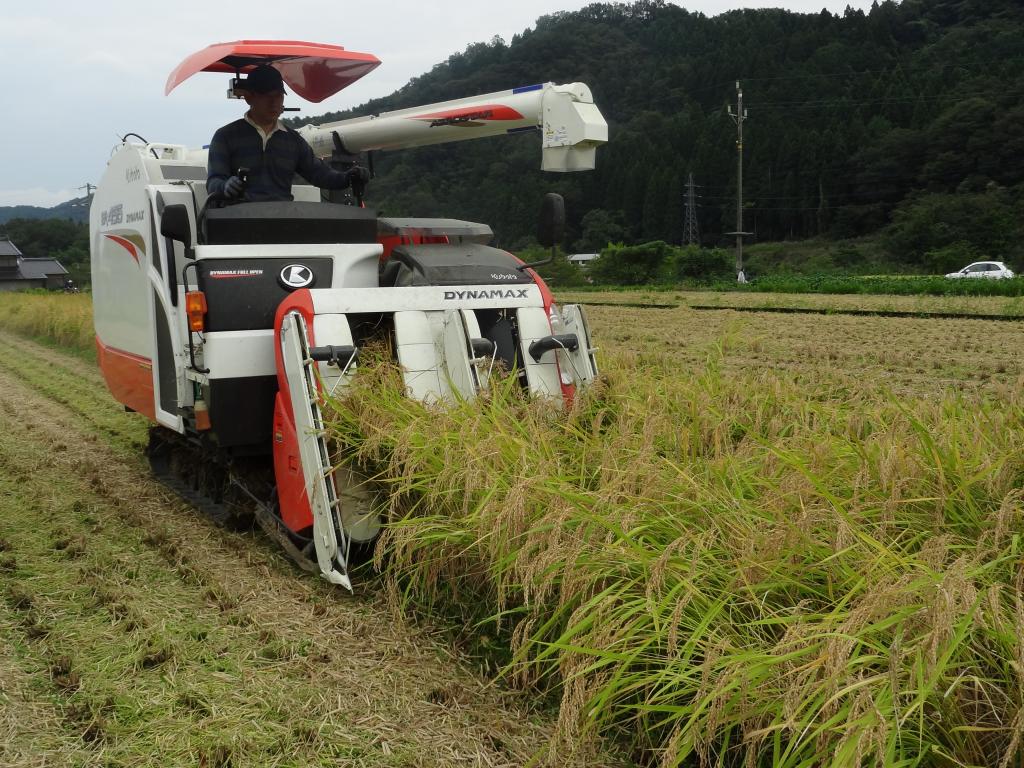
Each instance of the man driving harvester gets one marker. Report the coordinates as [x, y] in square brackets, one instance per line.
[255, 158]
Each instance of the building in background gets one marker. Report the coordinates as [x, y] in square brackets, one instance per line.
[19, 273]
[582, 260]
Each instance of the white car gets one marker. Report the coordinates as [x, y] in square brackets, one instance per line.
[991, 269]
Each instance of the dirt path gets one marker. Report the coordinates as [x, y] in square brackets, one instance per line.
[133, 632]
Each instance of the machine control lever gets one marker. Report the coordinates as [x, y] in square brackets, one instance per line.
[566, 341]
[482, 347]
[341, 356]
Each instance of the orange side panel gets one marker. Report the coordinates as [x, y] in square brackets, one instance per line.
[129, 378]
[291, 483]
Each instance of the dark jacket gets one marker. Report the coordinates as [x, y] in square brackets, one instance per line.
[239, 145]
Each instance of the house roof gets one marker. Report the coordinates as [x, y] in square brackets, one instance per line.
[583, 257]
[7, 248]
[34, 269]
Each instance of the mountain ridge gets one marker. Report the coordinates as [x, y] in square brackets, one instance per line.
[76, 210]
[852, 118]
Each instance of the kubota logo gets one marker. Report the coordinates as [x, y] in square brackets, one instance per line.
[296, 276]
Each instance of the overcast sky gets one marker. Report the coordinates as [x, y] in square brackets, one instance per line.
[79, 75]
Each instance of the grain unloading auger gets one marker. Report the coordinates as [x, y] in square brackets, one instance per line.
[226, 326]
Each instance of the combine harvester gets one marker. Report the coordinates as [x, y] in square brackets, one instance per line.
[226, 325]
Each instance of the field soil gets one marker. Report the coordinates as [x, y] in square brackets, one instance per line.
[134, 632]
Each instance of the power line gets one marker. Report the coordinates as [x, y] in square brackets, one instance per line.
[840, 101]
[758, 209]
[755, 197]
[898, 69]
[725, 83]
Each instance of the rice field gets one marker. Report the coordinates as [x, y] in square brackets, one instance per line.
[782, 540]
[761, 539]
[59, 318]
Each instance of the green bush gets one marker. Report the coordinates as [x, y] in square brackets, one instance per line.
[706, 264]
[933, 227]
[951, 257]
[559, 273]
[657, 262]
[848, 256]
[632, 264]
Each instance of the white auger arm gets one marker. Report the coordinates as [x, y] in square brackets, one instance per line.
[571, 125]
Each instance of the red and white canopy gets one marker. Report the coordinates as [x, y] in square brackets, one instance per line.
[314, 71]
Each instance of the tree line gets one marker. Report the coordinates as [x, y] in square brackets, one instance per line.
[859, 123]
[902, 123]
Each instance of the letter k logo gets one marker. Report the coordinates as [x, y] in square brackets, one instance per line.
[296, 276]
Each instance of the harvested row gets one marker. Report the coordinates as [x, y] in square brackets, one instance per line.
[141, 635]
[77, 387]
[966, 305]
[877, 357]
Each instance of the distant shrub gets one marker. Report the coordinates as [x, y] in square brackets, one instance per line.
[927, 226]
[693, 262]
[658, 262]
[632, 264]
[848, 256]
[951, 257]
[559, 272]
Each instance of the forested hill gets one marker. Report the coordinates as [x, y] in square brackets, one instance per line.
[73, 210]
[852, 119]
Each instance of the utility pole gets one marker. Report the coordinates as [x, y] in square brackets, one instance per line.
[739, 116]
[691, 230]
[88, 196]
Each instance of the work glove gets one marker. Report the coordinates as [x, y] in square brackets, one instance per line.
[234, 187]
[357, 178]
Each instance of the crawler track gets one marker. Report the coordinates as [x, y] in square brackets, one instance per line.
[234, 496]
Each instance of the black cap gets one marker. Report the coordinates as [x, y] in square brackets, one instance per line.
[263, 79]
